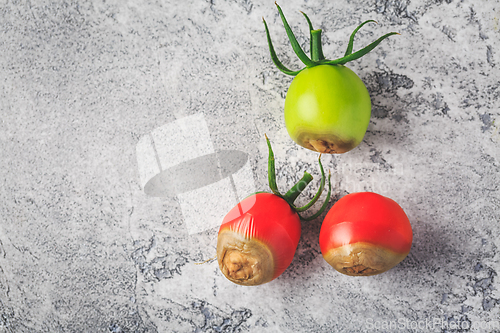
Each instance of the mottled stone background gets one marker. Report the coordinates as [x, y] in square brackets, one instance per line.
[84, 249]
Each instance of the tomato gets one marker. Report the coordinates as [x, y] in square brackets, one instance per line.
[327, 109]
[257, 239]
[365, 234]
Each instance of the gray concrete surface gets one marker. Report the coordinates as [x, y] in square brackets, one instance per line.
[84, 248]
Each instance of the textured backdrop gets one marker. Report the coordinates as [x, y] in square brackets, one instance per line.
[83, 248]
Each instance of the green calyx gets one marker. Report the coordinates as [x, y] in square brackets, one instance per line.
[297, 189]
[317, 57]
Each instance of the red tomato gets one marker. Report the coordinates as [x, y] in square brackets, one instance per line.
[258, 239]
[259, 236]
[365, 234]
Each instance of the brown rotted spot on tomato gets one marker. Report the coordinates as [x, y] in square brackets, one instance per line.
[362, 259]
[329, 145]
[244, 261]
[239, 266]
[359, 270]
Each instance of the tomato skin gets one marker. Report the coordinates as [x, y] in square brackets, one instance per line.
[327, 109]
[265, 222]
[365, 224]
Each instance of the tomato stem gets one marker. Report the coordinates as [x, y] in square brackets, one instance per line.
[358, 54]
[351, 39]
[318, 193]
[325, 203]
[316, 48]
[293, 41]
[295, 191]
[309, 23]
[274, 57]
[271, 171]
[317, 57]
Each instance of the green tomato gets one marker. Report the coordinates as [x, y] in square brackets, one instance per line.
[327, 109]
